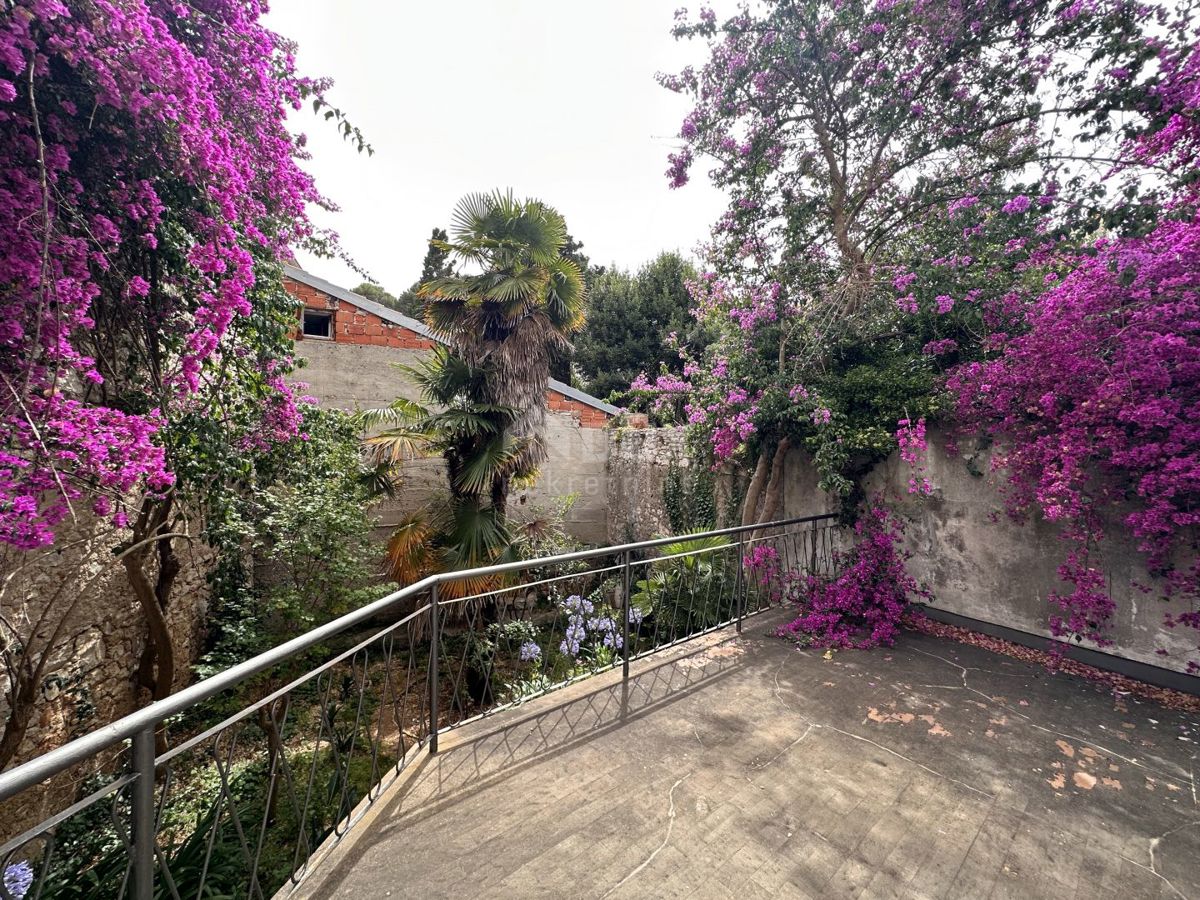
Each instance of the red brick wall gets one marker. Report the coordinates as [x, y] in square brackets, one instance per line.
[589, 416]
[352, 325]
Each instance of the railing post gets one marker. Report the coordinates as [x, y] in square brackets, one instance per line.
[626, 587]
[142, 803]
[739, 586]
[434, 640]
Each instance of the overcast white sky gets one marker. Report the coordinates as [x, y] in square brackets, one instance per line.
[554, 98]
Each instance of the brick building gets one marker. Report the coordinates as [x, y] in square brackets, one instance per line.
[351, 346]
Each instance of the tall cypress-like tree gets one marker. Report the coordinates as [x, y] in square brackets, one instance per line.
[629, 319]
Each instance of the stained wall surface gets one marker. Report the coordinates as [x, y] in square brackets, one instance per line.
[979, 563]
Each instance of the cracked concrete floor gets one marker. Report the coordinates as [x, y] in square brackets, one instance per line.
[741, 767]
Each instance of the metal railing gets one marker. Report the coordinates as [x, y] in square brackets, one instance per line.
[230, 786]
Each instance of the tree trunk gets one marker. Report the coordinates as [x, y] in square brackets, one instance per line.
[22, 700]
[766, 485]
[156, 666]
[754, 491]
[774, 491]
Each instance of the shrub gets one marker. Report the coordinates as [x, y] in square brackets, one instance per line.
[860, 607]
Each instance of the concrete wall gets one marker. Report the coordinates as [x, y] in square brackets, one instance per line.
[576, 464]
[355, 376]
[978, 563]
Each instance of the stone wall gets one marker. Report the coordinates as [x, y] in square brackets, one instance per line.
[638, 462]
[75, 587]
[978, 563]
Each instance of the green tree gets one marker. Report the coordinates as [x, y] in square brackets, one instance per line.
[303, 515]
[629, 319]
[435, 265]
[486, 387]
[373, 291]
[437, 258]
[475, 439]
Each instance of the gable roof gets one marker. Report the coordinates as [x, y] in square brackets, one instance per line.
[416, 325]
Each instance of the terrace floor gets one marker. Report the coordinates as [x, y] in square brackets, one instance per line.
[741, 767]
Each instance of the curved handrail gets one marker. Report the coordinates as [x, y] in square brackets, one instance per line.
[51, 763]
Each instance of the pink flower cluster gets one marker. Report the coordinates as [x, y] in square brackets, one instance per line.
[758, 307]
[763, 570]
[913, 446]
[748, 307]
[153, 118]
[733, 416]
[666, 388]
[1099, 403]
[862, 605]
[116, 451]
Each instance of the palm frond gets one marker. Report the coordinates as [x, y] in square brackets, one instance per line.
[443, 376]
[396, 432]
[477, 420]
[396, 445]
[566, 296]
[498, 457]
[411, 554]
[447, 287]
[380, 480]
[471, 216]
[474, 538]
[400, 411]
[524, 284]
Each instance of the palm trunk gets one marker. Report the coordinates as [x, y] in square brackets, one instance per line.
[500, 487]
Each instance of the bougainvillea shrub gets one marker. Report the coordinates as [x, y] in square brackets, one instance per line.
[939, 210]
[149, 191]
[149, 187]
[860, 607]
[1095, 403]
[901, 181]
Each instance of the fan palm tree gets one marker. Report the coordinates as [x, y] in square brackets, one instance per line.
[476, 442]
[515, 302]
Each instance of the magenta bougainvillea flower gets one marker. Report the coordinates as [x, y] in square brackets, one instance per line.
[146, 162]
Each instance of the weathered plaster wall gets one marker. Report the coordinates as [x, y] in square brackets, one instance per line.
[979, 563]
[357, 376]
[576, 464]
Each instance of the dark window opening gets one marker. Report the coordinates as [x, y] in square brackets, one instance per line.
[318, 324]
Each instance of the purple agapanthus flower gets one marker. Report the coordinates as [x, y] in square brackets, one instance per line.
[530, 651]
[18, 879]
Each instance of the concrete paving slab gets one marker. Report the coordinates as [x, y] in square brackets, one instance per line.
[739, 766]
